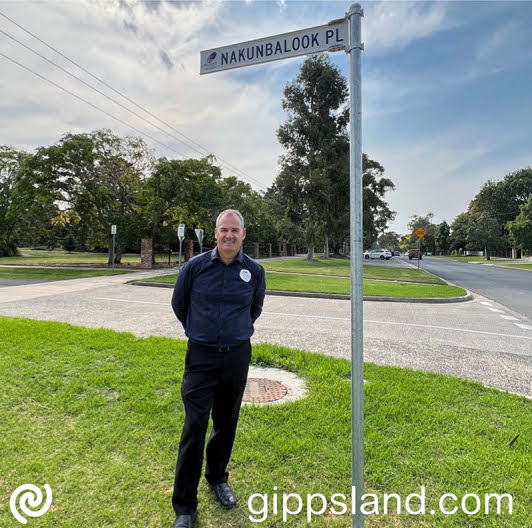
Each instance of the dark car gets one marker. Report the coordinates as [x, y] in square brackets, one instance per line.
[415, 253]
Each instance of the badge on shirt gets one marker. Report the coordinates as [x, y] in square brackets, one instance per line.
[245, 275]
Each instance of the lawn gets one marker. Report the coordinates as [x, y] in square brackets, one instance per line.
[520, 266]
[58, 256]
[97, 415]
[340, 267]
[54, 274]
[324, 284]
[471, 258]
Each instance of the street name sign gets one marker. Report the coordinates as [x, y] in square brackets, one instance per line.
[329, 37]
[420, 232]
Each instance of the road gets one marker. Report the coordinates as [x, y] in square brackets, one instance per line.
[510, 287]
[478, 340]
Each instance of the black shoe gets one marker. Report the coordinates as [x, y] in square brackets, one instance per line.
[185, 521]
[225, 495]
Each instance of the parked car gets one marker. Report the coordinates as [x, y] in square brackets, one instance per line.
[378, 254]
[415, 253]
[396, 253]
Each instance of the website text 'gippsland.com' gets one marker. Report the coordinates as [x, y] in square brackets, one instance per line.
[288, 505]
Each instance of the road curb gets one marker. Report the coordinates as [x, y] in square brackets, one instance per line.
[337, 296]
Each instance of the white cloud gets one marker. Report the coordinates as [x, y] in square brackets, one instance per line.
[397, 24]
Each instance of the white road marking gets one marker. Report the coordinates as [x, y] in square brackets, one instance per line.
[524, 326]
[509, 317]
[496, 310]
[349, 319]
[401, 324]
[310, 316]
[130, 301]
[485, 303]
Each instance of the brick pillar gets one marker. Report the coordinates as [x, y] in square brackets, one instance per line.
[294, 250]
[283, 249]
[146, 253]
[269, 250]
[255, 250]
[189, 249]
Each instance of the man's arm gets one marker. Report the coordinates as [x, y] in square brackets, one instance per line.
[181, 297]
[258, 297]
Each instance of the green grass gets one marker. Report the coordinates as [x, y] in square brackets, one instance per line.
[58, 256]
[470, 259]
[521, 266]
[340, 266]
[324, 284]
[97, 415]
[54, 274]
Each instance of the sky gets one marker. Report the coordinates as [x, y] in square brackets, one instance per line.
[446, 86]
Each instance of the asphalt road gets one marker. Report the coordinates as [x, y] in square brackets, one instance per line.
[510, 287]
[478, 340]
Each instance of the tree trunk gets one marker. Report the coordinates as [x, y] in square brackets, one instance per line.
[310, 254]
[110, 250]
[326, 254]
[486, 253]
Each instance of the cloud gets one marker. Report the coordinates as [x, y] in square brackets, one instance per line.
[397, 24]
[166, 59]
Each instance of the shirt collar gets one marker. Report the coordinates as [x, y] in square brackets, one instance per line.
[215, 255]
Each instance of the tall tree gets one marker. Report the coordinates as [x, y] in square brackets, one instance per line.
[316, 122]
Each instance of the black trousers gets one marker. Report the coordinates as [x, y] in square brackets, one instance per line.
[214, 379]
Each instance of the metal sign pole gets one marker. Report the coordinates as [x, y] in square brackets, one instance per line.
[180, 244]
[330, 37]
[113, 232]
[355, 15]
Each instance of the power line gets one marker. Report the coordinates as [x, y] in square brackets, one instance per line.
[226, 163]
[89, 103]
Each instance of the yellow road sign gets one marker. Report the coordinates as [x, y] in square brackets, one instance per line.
[420, 232]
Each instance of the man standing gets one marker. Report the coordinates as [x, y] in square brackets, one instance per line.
[217, 298]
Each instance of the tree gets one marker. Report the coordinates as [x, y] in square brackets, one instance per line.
[389, 240]
[10, 160]
[310, 136]
[484, 232]
[428, 242]
[502, 200]
[459, 228]
[376, 213]
[100, 176]
[27, 201]
[443, 241]
[521, 228]
[181, 191]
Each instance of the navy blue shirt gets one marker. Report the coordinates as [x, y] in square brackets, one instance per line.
[218, 303]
